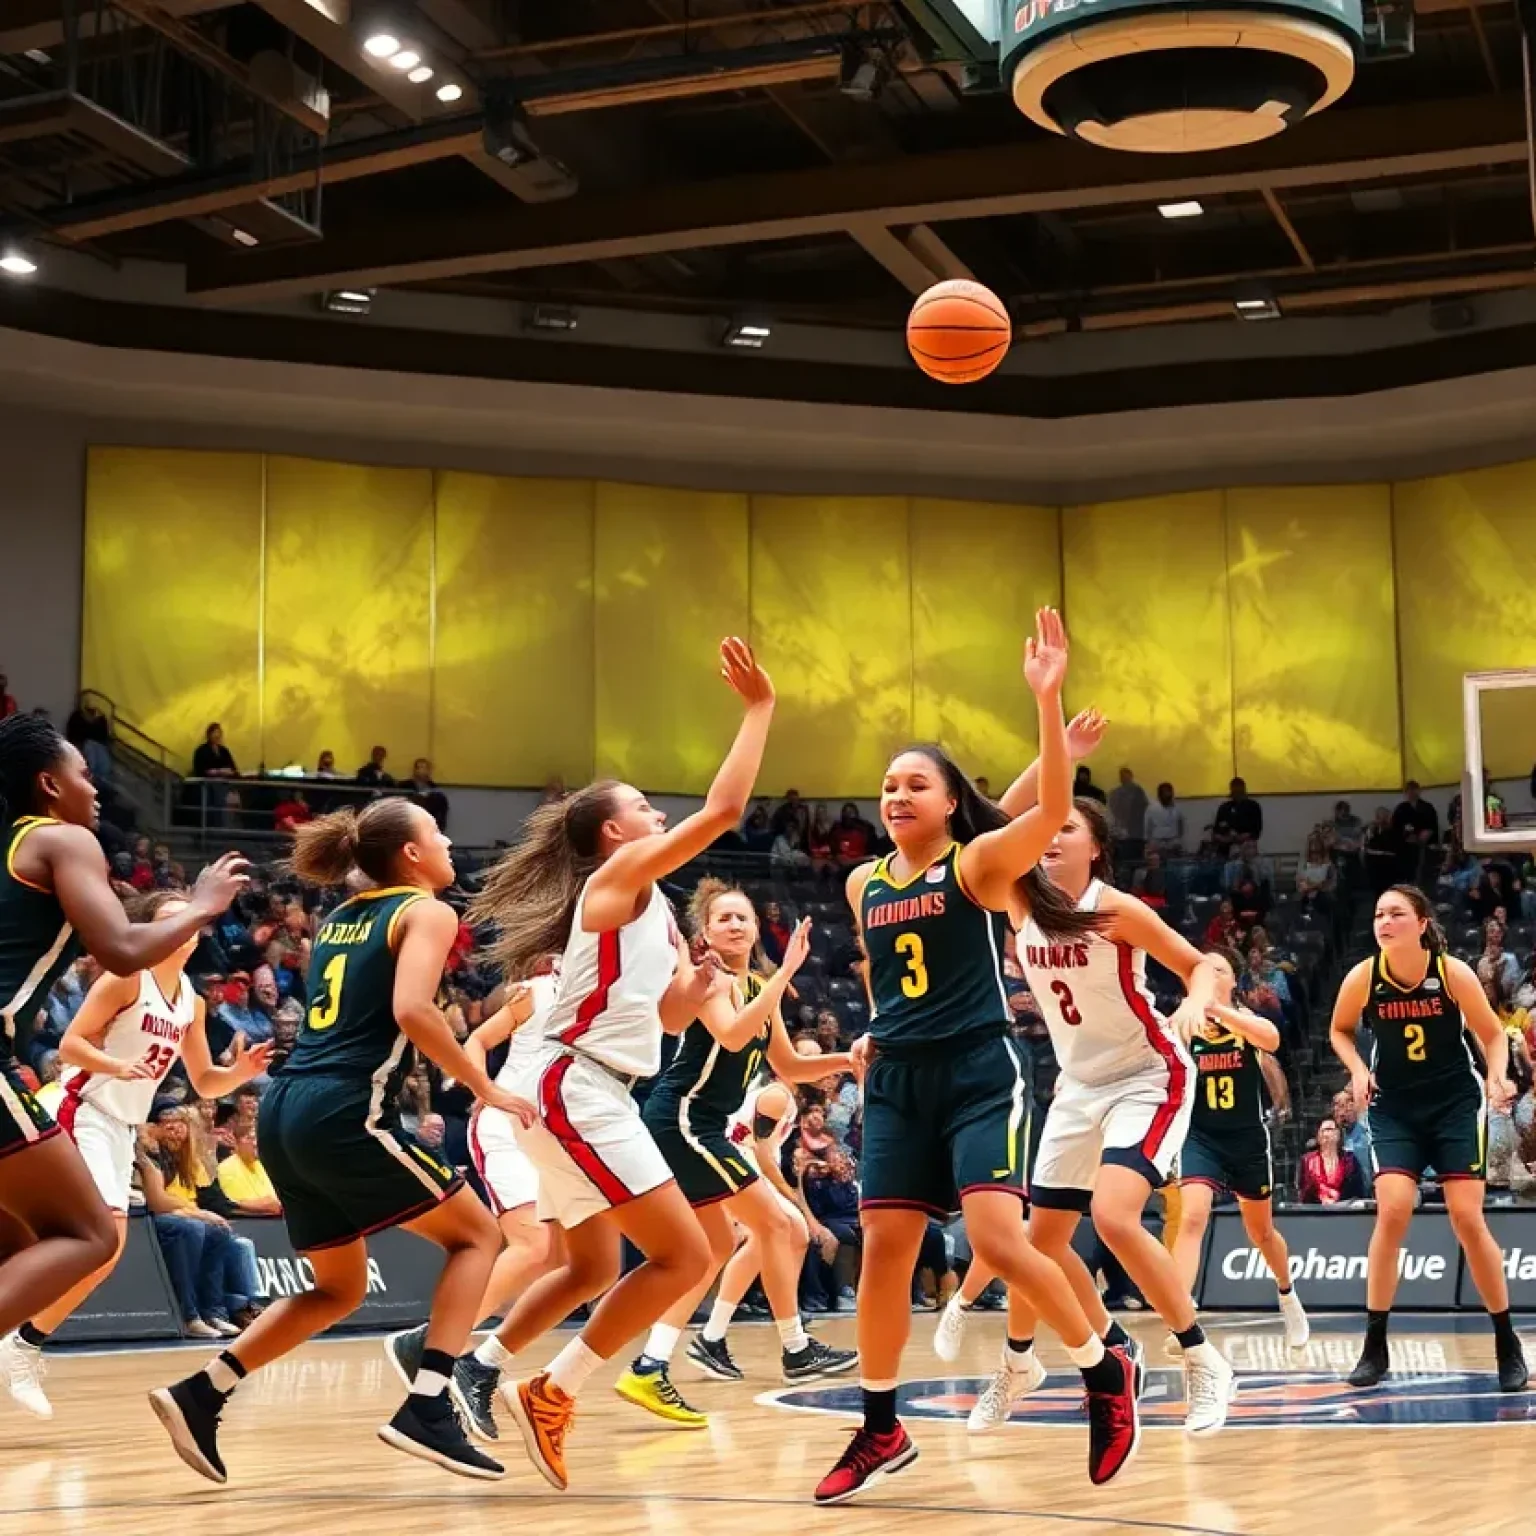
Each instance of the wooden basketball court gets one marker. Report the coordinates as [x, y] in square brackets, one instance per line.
[1447, 1454]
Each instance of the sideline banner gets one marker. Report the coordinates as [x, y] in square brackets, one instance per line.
[135, 1302]
[1515, 1232]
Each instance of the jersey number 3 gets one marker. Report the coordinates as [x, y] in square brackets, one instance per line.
[915, 982]
[326, 1008]
[1069, 1011]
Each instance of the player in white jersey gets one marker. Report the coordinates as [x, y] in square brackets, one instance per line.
[129, 1033]
[583, 878]
[1121, 1111]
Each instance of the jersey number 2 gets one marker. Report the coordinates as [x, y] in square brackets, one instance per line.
[1069, 1013]
[915, 982]
[326, 1008]
[1414, 1035]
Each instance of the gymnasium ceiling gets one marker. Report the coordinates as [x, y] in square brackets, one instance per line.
[702, 157]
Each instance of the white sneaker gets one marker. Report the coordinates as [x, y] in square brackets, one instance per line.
[23, 1368]
[1007, 1386]
[1209, 1387]
[950, 1334]
[1297, 1329]
[1172, 1349]
[224, 1328]
[198, 1329]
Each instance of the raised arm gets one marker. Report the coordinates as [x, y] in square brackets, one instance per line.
[213, 1082]
[1484, 1023]
[734, 1029]
[621, 878]
[1354, 994]
[1133, 922]
[990, 864]
[1085, 731]
[1249, 1026]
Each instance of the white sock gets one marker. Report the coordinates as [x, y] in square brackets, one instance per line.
[1086, 1356]
[493, 1352]
[791, 1333]
[224, 1380]
[662, 1343]
[720, 1316]
[429, 1384]
[572, 1366]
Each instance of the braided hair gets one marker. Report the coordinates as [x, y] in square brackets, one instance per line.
[29, 745]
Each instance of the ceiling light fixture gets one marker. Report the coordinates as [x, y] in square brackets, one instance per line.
[404, 60]
[421, 74]
[448, 91]
[382, 45]
[37, 56]
[1190, 209]
[348, 301]
[749, 334]
[243, 236]
[17, 265]
[550, 317]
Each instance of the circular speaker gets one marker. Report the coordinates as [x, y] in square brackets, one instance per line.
[1162, 81]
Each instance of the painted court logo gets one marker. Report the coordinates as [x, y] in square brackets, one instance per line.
[1265, 1400]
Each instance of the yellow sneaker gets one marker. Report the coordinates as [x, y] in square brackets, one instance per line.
[653, 1391]
[543, 1414]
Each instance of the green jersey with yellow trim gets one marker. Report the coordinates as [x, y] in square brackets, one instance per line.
[1229, 1086]
[705, 1077]
[350, 1029]
[1418, 1034]
[935, 957]
[37, 943]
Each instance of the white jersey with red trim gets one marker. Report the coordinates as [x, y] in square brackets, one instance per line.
[150, 1029]
[740, 1129]
[530, 1037]
[1093, 995]
[611, 984]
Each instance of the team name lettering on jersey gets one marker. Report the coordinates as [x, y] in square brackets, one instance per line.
[164, 1029]
[1056, 957]
[1412, 1008]
[346, 934]
[1221, 1061]
[906, 910]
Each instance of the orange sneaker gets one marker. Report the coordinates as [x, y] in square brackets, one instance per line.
[544, 1414]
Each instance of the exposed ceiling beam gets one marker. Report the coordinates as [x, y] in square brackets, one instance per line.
[1031, 176]
[927, 244]
[894, 254]
[1283, 219]
[60, 112]
[28, 24]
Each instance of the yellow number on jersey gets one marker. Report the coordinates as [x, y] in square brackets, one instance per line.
[325, 1009]
[1220, 1092]
[915, 983]
[1414, 1035]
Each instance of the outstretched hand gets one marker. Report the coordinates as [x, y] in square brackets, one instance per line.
[1084, 733]
[739, 667]
[1045, 654]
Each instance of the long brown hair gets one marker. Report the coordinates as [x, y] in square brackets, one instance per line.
[530, 893]
[1057, 916]
[1433, 937]
[327, 849]
[1103, 865]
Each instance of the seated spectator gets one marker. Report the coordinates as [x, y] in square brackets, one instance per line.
[829, 1031]
[815, 1135]
[1458, 874]
[853, 838]
[818, 840]
[789, 852]
[1329, 1174]
[325, 768]
[428, 796]
[1164, 824]
[1150, 882]
[292, 811]
[757, 830]
[213, 760]
[832, 1197]
[1242, 813]
[1221, 931]
[1494, 888]
[843, 1104]
[1317, 876]
[245, 1182]
[1354, 1138]
[239, 1012]
[286, 1023]
[1496, 967]
[1250, 894]
[1083, 787]
[775, 932]
[142, 876]
[372, 773]
[288, 953]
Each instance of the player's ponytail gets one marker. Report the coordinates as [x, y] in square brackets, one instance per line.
[1433, 938]
[29, 745]
[327, 849]
[1058, 917]
[530, 893]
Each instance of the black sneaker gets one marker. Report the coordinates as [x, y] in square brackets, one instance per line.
[1114, 1426]
[405, 1351]
[474, 1394]
[816, 1359]
[1513, 1375]
[714, 1359]
[190, 1412]
[1375, 1362]
[428, 1429]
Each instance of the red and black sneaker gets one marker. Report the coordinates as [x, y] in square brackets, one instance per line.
[868, 1459]
[1114, 1427]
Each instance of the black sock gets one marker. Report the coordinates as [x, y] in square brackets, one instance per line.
[1285, 1290]
[880, 1410]
[433, 1374]
[1020, 1346]
[1107, 1376]
[648, 1365]
[1376, 1327]
[1116, 1337]
[1190, 1338]
[1503, 1329]
[30, 1333]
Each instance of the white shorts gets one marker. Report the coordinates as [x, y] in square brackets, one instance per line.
[1138, 1123]
[589, 1145]
[509, 1177]
[106, 1145]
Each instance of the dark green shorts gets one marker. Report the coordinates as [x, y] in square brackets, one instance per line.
[707, 1165]
[23, 1121]
[1448, 1134]
[340, 1177]
[940, 1123]
[1240, 1163]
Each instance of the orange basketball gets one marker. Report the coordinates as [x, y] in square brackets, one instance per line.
[958, 331]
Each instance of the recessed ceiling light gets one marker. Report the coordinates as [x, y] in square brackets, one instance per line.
[1185, 210]
[17, 265]
[449, 91]
[421, 74]
[749, 333]
[381, 45]
[405, 59]
[244, 236]
[37, 56]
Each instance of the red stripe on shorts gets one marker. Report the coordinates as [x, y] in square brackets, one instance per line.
[1178, 1075]
[557, 1122]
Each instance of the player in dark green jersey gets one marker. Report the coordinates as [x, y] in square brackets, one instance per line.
[739, 1027]
[331, 1140]
[1228, 1143]
[944, 1094]
[55, 900]
[1427, 1107]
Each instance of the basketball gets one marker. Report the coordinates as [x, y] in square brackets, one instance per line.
[958, 332]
